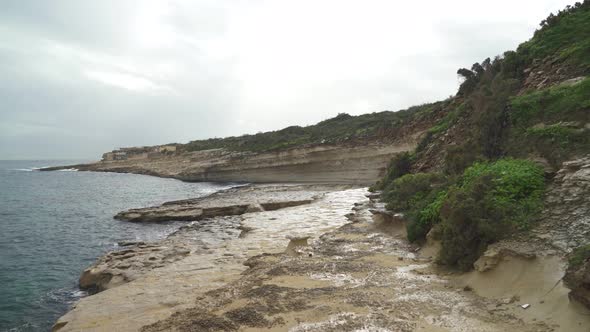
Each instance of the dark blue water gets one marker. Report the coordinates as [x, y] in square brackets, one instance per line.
[55, 224]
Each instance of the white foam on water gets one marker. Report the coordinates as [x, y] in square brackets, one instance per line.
[30, 169]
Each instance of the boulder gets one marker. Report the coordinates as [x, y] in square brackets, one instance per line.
[297, 243]
[374, 195]
[494, 255]
[253, 208]
[119, 267]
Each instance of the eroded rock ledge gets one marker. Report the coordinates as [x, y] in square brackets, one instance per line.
[191, 211]
[135, 259]
[119, 267]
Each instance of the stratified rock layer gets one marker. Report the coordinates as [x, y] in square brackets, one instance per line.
[566, 218]
[345, 163]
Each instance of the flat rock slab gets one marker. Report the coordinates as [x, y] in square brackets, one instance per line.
[250, 199]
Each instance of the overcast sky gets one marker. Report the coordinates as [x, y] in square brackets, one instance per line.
[78, 78]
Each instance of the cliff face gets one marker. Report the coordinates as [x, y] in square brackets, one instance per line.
[362, 164]
[345, 163]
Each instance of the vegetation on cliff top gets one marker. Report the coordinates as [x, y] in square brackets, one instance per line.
[565, 34]
[342, 128]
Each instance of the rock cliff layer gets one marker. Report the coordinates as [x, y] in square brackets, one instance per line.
[352, 164]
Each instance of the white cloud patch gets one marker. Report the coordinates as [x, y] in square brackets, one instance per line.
[123, 80]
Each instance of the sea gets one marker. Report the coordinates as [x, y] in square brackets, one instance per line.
[55, 224]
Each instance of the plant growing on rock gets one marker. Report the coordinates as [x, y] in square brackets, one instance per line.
[489, 201]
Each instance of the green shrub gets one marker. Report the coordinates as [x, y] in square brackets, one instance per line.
[489, 201]
[459, 157]
[419, 196]
[410, 190]
[467, 224]
[399, 165]
[422, 220]
[579, 256]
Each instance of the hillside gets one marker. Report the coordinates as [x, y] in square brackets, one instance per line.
[506, 167]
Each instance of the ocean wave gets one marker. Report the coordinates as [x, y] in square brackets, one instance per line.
[30, 169]
[66, 295]
[68, 170]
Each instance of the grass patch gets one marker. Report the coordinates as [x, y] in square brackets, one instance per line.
[566, 34]
[559, 103]
[451, 118]
[557, 133]
[551, 122]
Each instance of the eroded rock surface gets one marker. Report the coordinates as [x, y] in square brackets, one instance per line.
[118, 267]
[498, 252]
[566, 218]
[361, 277]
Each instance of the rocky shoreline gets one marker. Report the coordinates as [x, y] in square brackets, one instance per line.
[147, 282]
[333, 260]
